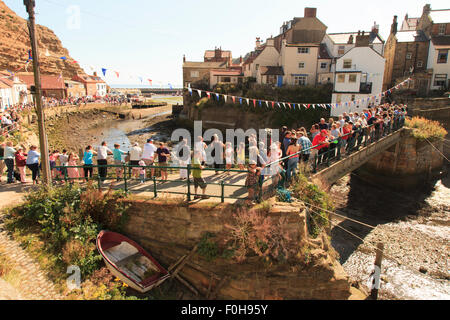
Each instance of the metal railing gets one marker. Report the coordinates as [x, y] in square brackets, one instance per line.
[364, 137]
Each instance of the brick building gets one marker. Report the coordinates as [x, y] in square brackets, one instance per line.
[199, 72]
[52, 85]
[94, 85]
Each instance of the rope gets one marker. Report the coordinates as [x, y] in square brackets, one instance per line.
[341, 216]
[368, 244]
[438, 150]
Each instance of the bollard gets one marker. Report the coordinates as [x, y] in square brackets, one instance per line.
[377, 272]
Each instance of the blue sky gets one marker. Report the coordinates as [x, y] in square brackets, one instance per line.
[148, 38]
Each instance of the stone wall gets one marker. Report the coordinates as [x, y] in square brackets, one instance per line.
[171, 230]
[407, 165]
[437, 109]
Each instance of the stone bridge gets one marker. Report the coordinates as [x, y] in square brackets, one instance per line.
[329, 175]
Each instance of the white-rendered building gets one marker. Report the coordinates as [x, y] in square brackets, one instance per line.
[6, 96]
[101, 89]
[359, 75]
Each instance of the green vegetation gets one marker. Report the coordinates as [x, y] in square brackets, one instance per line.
[319, 201]
[208, 248]
[426, 129]
[291, 117]
[58, 226]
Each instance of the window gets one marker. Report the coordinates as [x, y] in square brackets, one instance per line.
[341, 50]
[353, 97]
[257, 67]
[300, 80]
[338, 98]
[301, 65]
[352, 78]
[348, 64]
[341, 78]
[442, 28]
[323, 65]
[440, 80]
[442, 56]
[408, 56]
[303, 50]
[226, 79]
[419, 64]
[194, 74]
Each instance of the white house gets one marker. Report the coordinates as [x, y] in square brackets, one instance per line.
[265, 55]
[6, 96]
[101, 89]
[299, 63]
[19, 91]
[359, 75]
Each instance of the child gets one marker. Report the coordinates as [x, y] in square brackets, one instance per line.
[251, 182]
[229, 157]
[197, 174]
[73, 173]
[117, 155]
[142, 171]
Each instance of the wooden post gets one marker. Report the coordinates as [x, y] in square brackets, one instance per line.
[43, 142]
[377, 272]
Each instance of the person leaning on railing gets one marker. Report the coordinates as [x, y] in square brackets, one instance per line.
[197, 175]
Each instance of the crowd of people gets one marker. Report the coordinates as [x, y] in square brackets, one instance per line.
[280, 159]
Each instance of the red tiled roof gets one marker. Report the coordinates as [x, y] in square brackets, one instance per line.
[47, 81]
[272, 71]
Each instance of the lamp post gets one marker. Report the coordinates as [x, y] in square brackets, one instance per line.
[47, 179]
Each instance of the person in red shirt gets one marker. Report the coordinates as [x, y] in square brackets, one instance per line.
[322, 145]
[21, 162]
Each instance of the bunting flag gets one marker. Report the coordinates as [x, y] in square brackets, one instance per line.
[150, 81]
[170, 86]
[104, 71]
[75, 61]
[117, 73]
[140, 78]
[30, 56]
[292, 105]
[63, 58]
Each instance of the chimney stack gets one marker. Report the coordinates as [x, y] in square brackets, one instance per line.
[394, 26]
[310, 12]
[376, 28]
[362, 40]
[350, 39]
[258, 42]
[184, 58]
[240, 60]
[95, 73]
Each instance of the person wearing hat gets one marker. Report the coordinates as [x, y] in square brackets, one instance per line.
[251, 182]
[148, 154]
[135, 157]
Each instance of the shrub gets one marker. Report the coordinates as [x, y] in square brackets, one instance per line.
[253, 233]
[208, 248]
[426, 129]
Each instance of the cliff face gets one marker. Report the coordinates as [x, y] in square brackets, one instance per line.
[15, 43]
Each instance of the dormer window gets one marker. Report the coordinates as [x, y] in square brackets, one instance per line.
[442, 28]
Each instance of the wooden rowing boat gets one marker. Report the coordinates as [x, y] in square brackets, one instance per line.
[129, 262]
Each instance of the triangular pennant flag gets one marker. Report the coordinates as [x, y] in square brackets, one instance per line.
[267, 103]
[248, 102]
[190, 91]
[150, 81]
[63, 58]
[240, 100]
[273, 104]
[117, 73]
[284, 105]
[208, 94]
[309, 106]
[217, 96]
[260, 103]
[74, 61]
[104, 71]
[289, 106]
[233, 98]
[225, 97]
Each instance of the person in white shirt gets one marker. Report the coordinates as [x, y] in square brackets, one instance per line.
[148, 154]
[135, 157]
[102, 154]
